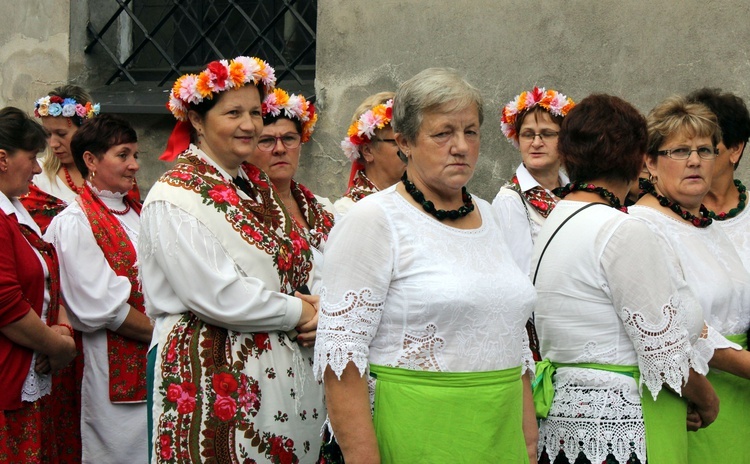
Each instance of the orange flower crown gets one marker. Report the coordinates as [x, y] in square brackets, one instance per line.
[551, 100]
[294, 107]
[362, 130]
[219, 76]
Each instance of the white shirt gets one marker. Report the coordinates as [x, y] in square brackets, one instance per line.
[520, 220]
[403, 289]
[98, 299]
[610, 292]
[54, 186]
[712, 267]
[738, 231]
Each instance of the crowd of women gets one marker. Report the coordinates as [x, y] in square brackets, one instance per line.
[596, 311]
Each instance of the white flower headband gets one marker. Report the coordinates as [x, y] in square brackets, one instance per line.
[551, 100]
[294, 107]
[362, 130]
[217, 77]
[53, 105]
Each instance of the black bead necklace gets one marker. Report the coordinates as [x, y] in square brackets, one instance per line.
[734, 211]
[613, 201]
[440, 214]
[703, 221]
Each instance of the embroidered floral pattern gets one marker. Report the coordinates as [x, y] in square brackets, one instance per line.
[361, 187]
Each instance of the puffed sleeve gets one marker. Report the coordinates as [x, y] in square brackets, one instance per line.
[96, 296]
[514, 222]
[659, 313]
[359, 263]
[185, 268]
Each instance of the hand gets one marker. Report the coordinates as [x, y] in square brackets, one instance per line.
[693, 419]
[309, 307]
[308, 322]
[62, 357]
[61, 330]
[709, 411]
[308, 332]
[42, 364]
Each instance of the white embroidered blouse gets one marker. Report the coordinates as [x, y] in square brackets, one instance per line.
[401, 289]
[609, 292]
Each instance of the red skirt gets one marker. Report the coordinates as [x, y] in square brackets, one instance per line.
[28, 434]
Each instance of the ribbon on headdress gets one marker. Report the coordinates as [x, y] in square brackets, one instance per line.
[179, 141]
[357, 166]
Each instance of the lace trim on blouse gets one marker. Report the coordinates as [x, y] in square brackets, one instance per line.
[345, 333]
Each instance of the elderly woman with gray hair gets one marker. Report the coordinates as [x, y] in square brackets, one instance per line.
[444, 354]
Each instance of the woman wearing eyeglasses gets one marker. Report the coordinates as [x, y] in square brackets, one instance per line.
[371, 147]
[681, 156]
[288, 122]
[531, 122]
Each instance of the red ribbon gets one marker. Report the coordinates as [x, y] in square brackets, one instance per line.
[178, 142]
[356, 167]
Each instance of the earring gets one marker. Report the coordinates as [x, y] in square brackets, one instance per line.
[93, 174]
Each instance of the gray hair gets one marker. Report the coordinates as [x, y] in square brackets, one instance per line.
[441, 89]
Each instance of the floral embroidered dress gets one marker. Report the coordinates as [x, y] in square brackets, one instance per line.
[720, 281]
[98, 301]
[218, 267]
[611, 295]
[402, 290]
[361, 187]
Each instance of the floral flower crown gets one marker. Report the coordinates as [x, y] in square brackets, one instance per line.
[294, 107]
[52, 105]
[363, 130]
[551, 100]
[217, 77]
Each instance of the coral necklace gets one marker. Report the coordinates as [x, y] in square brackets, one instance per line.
[69, 180]
[703, 221]
[429, 206]
[734, 211]
[613, 201]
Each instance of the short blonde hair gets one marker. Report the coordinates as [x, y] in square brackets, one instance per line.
[676, 115]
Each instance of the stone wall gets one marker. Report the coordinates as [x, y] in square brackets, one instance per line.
[34, 52]
[640, 50]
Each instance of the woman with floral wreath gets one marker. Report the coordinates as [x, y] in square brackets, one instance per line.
[681, 158]
[619, 329]
[422, 305]
[35, 337]
[221, 265]
[95, 239]
[288, 122]
[531, 122]
[372, 149]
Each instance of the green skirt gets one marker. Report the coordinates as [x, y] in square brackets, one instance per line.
[726, 440]
[449, 416]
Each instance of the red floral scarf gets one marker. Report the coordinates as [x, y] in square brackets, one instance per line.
[127, 357]
[361, 187]
[50, 259]
[537, 197]
[42, 206]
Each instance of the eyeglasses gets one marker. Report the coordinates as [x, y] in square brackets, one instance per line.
[268, 143]
[390, 141]
[683, 153]
[546, 135]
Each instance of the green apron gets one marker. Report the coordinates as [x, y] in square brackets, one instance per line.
[726, 440]
[435, 417]
[664, 419]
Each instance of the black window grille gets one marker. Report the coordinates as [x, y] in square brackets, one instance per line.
[155, 41]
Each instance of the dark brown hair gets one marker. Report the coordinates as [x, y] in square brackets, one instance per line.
[20, 132]
[98, 135]
[603, 137]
